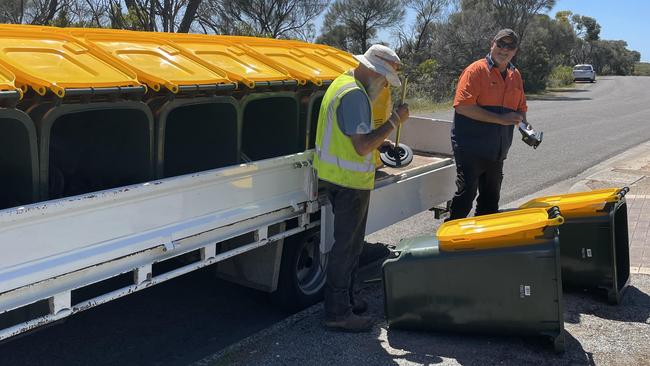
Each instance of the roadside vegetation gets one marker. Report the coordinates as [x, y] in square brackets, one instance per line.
[560, 76]
[441, 39]
[642, 69]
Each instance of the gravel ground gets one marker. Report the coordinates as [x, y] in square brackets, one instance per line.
[595, 333]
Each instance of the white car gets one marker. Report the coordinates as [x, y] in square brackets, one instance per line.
[584, 72]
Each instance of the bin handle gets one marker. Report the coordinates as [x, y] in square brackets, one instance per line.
[555, 215]
[621, 193]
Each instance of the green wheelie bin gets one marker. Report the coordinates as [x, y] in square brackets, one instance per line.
[595, 245]
[18, 159]
[496, 274]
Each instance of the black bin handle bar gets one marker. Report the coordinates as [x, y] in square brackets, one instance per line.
[622, 192]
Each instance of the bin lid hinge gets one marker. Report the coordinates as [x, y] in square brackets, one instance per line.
[206, 88]
[113, 93]
[275, 83]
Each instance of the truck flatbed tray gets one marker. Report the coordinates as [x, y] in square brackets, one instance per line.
[421, 162]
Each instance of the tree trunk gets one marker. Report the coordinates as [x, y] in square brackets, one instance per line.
[188, 17]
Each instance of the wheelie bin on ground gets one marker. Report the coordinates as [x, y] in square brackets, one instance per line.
[91, 136]
[594, 240]
[490, 274]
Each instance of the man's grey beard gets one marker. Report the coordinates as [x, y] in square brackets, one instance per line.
[374, 89]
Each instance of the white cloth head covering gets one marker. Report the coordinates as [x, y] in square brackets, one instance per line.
[377, 58]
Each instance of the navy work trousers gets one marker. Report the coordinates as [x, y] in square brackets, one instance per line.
[350, 208]
[475, 173]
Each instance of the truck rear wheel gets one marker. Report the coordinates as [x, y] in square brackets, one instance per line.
[302, 272]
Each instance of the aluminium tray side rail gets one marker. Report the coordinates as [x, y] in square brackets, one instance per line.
[129, 230]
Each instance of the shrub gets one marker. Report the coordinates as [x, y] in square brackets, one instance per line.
[642, 69]
[560, 76]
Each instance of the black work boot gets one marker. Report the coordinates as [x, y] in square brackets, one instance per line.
[353, 323]
[359, 306]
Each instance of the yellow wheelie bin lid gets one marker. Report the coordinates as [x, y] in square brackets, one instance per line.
[156, 62]
[244, 67]
[580, 204]
[506, 229]
[297, 62]
[50, 60]
[8, 82]
[343, 61]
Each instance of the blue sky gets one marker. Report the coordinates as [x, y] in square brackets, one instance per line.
[627, 20]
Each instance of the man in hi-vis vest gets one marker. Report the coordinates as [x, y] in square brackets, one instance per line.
[345, 141]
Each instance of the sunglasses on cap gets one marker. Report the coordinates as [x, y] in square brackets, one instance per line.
[506, 45]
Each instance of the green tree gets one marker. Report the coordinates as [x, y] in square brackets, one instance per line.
[613, 57]
[517, 14]
[362, 20]
[267, 18]
[535, 65]
[556, 35]
[415, 46]
[586, 27]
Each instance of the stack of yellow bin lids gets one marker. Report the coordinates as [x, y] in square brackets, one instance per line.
[301, 64]
[57, 59]
[157, 63]
[239, 65]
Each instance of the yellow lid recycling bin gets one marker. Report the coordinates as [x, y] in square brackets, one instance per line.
[490, 274]
[594, 240]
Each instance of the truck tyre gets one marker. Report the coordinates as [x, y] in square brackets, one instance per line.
[302, 272]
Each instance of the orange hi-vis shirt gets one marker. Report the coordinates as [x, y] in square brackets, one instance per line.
[481, 84]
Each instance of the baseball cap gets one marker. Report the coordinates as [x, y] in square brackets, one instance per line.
[507, 32]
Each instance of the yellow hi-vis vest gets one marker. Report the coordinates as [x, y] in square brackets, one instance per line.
[336, 160]
[382, 107]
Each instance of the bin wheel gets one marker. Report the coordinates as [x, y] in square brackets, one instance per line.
[395, 157]
[302, 272]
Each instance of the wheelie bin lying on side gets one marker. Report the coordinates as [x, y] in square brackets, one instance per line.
[18, 152]
[594, 239]
[269, 96]
[197, 122]
[91, 135]
[490, 274]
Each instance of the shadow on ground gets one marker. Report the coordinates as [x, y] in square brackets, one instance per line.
[634, 306]
[469, 349]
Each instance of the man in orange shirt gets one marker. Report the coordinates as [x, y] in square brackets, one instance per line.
[489, 102]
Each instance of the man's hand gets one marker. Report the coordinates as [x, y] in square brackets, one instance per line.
[402, 112]
[386, 145]
[511, 118]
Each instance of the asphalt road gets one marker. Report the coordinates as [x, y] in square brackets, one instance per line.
[582, 127]
[191, 317]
